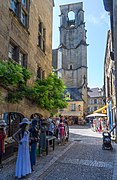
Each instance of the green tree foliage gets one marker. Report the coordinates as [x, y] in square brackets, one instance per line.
[47, 93]
[13, 74]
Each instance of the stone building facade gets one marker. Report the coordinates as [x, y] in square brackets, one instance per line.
[109, 81]
[70, 59]
[96, 100]
[75, 109]
[111, 7]
[26, 37]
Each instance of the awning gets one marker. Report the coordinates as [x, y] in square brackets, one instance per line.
[96, 115]
[100, 109]
[113, 107]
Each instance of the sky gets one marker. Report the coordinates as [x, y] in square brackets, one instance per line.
[97, 26]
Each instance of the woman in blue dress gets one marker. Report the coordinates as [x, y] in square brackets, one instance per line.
[23, 165]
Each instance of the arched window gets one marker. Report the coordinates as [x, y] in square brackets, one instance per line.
[71, 19]
[39, 73]
[71, 67]
[71, 15]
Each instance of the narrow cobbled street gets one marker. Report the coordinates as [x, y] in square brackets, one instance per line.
[82, 158]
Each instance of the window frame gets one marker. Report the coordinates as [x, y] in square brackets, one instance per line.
[95, 101]
[22, 60]
[73, 107]
[16, 56]
[23, 18]
[12, 51]
[39, 73]
[42, 36]
[24, 4]
[14, 6]
[22, 11]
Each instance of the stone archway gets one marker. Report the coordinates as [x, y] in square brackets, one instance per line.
[37, 114]
[16, 112]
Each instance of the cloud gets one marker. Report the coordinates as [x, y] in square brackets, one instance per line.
[92, 19]
[103, 18]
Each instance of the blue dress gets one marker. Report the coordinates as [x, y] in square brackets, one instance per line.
[23, 165]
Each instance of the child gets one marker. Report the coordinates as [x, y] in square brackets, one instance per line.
[2, 137]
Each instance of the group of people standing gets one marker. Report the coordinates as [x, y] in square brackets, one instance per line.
[59, 127]
[27, 138]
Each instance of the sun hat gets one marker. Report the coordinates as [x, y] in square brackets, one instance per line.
[25, 121]
[2, 122]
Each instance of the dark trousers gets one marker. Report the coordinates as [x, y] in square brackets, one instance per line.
[0, 158]
[33, 154]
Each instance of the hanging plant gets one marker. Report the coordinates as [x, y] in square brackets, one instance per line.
[13, 74]
[46, 93]
[17, 95]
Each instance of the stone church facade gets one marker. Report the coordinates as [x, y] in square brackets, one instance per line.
[70, 59]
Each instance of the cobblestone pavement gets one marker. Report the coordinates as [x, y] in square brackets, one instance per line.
[82, 158]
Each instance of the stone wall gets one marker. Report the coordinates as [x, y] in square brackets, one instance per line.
[79, 112]
[40, 10]
[11, 29]
[115, 45]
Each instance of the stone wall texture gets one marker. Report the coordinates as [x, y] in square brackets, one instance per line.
[11, 29]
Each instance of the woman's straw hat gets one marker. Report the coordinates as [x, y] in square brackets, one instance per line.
[25, 121]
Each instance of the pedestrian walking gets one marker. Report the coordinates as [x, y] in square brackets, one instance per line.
[23, 165]
[34, 138]
[2, 137]
[61, 132]
[51, 127]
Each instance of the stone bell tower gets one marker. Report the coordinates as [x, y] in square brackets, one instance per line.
[72, 50]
